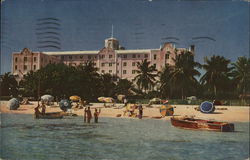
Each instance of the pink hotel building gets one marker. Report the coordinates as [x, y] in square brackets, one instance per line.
[111, 59]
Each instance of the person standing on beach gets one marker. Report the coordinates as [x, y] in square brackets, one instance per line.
[89, 115]
[96, 114]
[85, 114]
[140, 108]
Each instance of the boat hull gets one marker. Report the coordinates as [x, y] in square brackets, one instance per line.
[199, 124]
[54, 115]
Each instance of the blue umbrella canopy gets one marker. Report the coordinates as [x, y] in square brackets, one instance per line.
[207, 107]
[65, 104]
[13, 104]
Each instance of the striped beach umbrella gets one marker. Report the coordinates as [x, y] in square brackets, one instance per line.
[207, 107]
[166, 110]
[75, 98]
[109, 100]
[101, 99]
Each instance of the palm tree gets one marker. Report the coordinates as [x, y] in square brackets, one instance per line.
[145, 79]
[165, 81]
[123, 87]
[8, 85]
[217, 73]
[184, 73]
[241, 74]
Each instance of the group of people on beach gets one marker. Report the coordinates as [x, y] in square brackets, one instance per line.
[87, 116]
[37, 111]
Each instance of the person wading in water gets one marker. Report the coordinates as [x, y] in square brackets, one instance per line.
[85, 115]
[96, 114]
[89, 115]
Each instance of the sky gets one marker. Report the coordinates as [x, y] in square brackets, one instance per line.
[137, 24]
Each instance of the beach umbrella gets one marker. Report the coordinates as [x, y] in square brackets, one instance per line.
[65, 104]
[75, 98]
[47, 98]
[167, 110]
[13, 104]
[155, 100]
[207, 107]
[101, 99]
[121, 97]
[108, 100]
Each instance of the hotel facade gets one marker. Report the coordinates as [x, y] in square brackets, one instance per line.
[111, 59]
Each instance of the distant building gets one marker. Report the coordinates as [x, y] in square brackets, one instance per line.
[111, 59]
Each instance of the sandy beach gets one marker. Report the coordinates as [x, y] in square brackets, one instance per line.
[232, 114]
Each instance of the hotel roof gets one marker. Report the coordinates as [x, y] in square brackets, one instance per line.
[135, 51]
[71, 52]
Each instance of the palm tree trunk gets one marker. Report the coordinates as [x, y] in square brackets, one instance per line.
[182, 94]
[215, 91]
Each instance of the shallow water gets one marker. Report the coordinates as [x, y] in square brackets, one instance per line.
[23, 138]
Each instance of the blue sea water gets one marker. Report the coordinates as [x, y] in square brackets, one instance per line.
[26, 138]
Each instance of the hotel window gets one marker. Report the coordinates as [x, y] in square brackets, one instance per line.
[81, 57]
[49, 61]
[25, 67]
[62, 57]
[133, 63]
[89, 57]
[103, 64]
[110, 64]
[15, 67]
[110, 71]
[124, 71]
[70, 57]
[34, 67]
[41, 59]
[25, 59]
[167, 56]
[16, 59]
[117, 71]
[134, 56]
[103, 71]
[155, 57]
[95, 57]
[138, 56]
[117, 64]
[133, 71]
[110, 56]
[124, 63]
[145, 55]
[119, 56]
[103, 56]
[124, 56]
[34, 59]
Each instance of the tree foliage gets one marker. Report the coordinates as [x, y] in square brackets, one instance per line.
[146, 74]
[217, 76]
[8, 85]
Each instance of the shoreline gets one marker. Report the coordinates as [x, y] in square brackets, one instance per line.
[232, 114]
